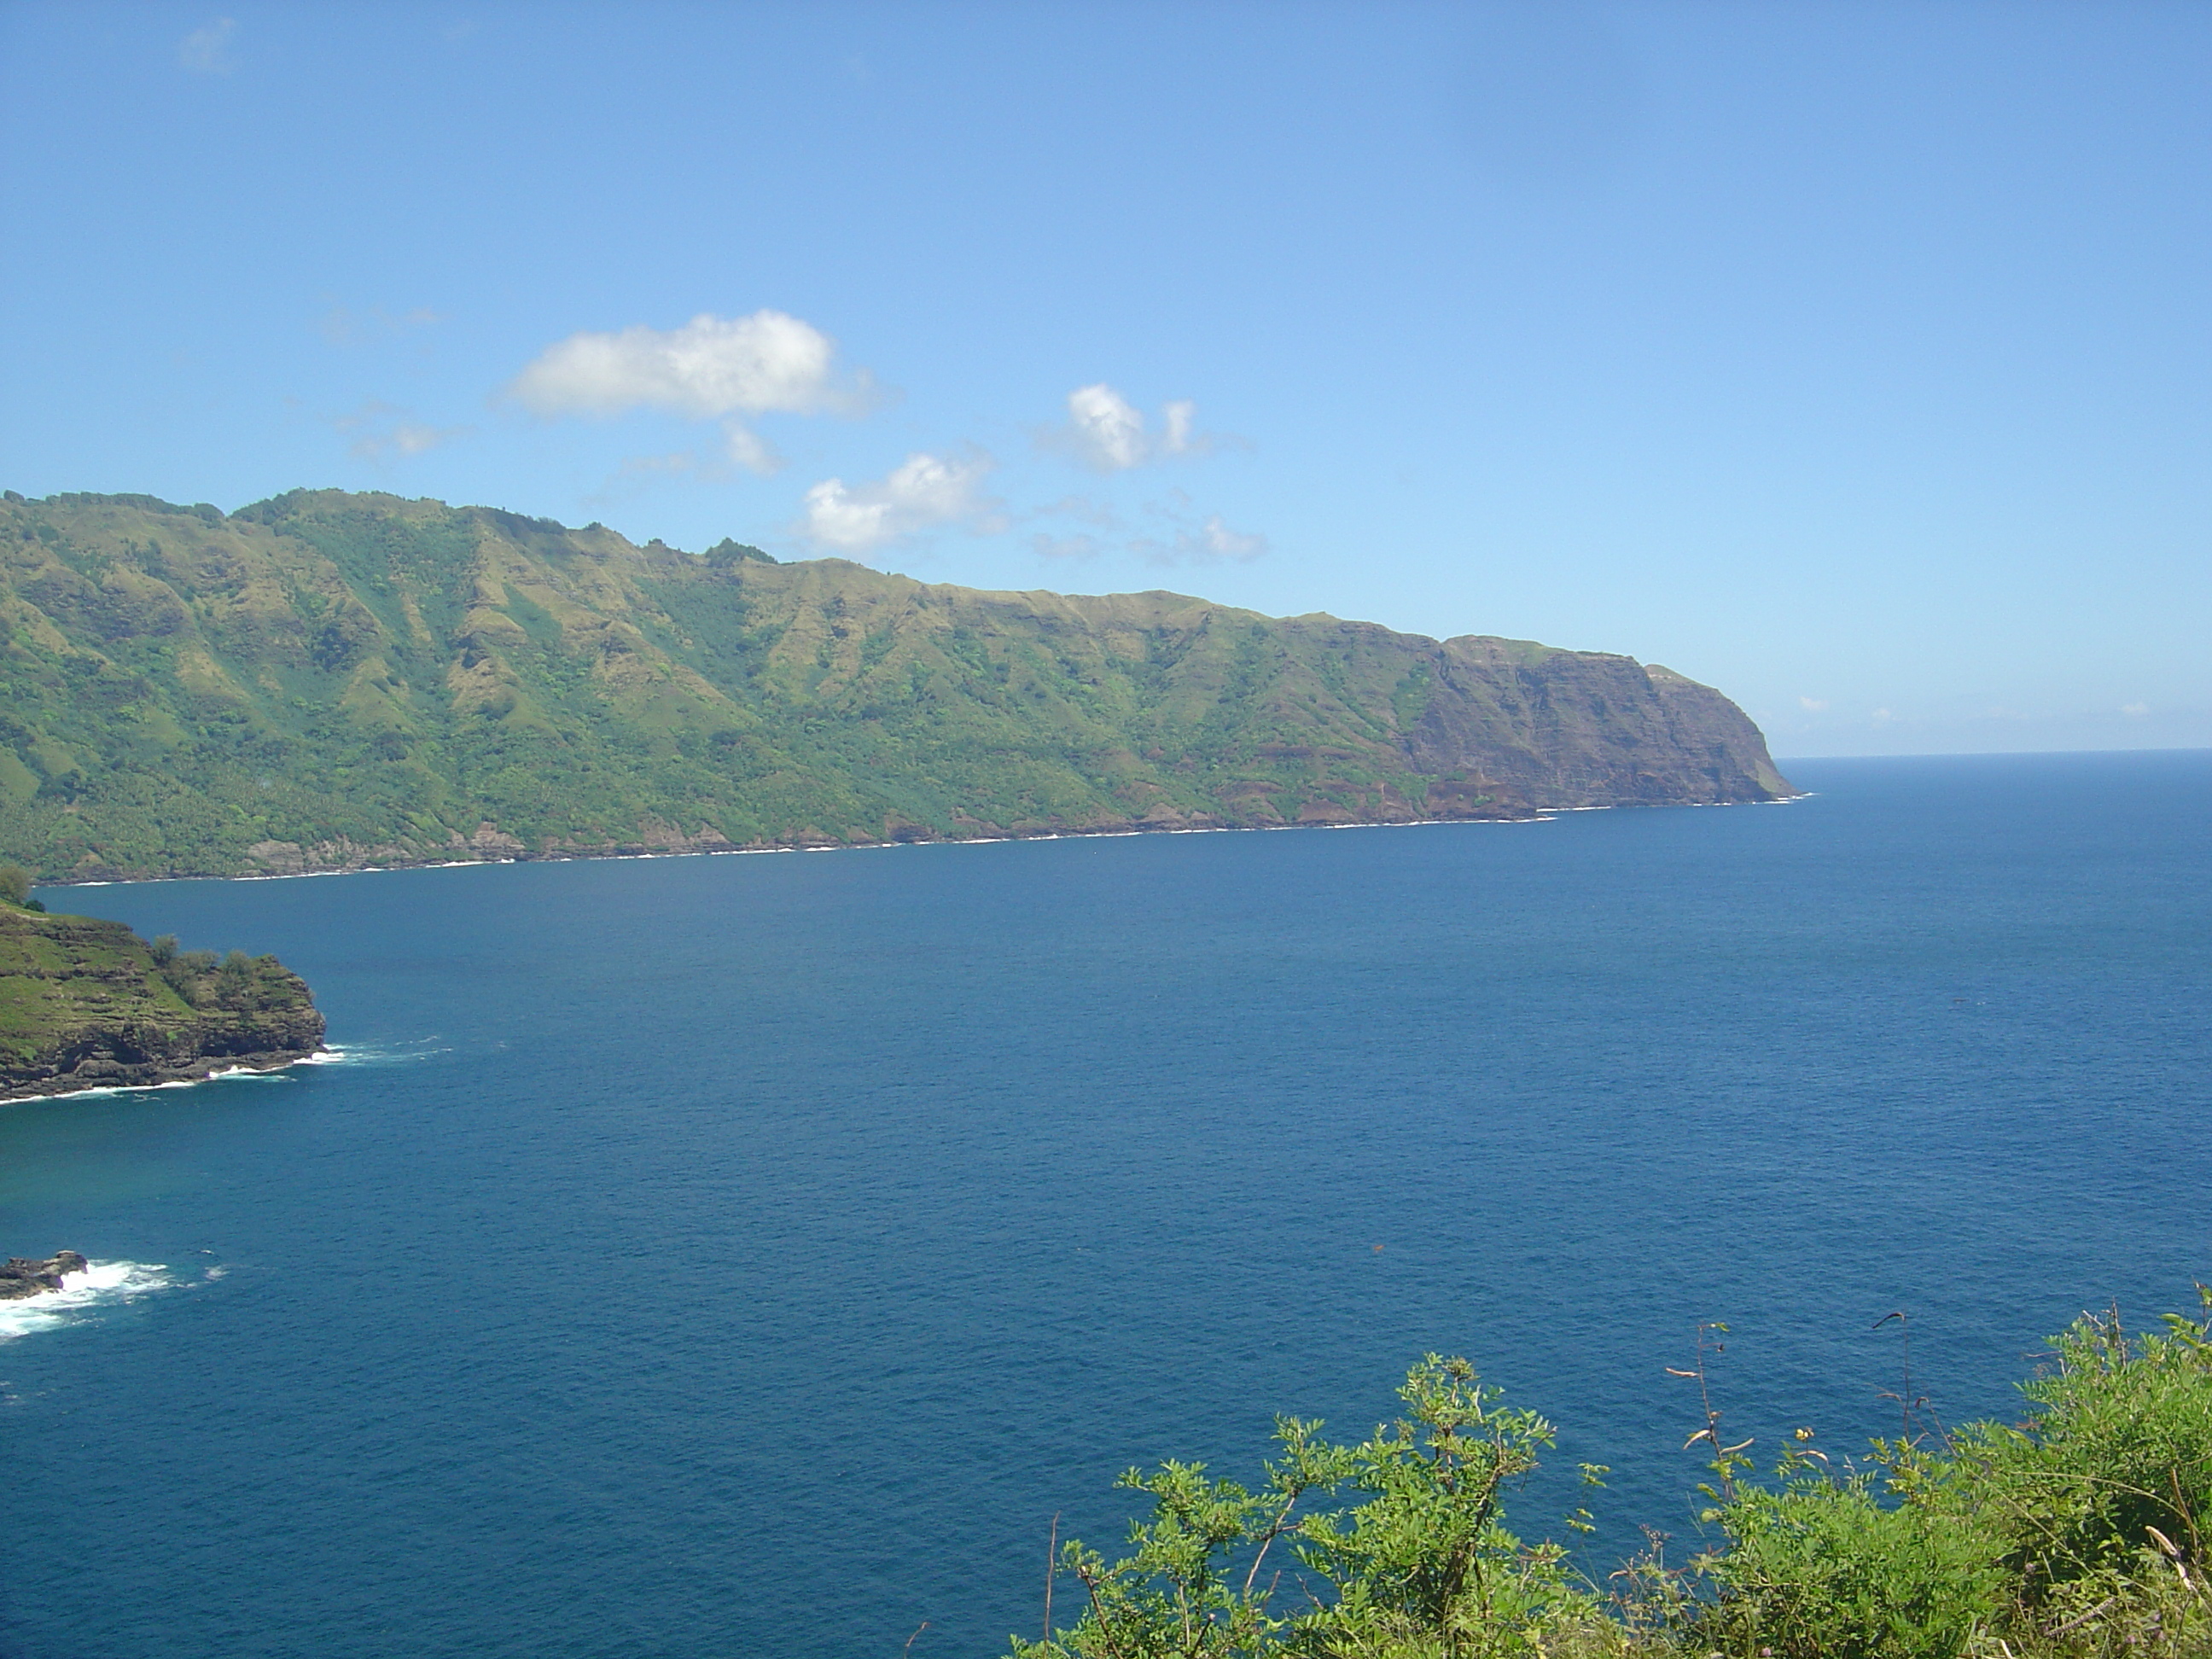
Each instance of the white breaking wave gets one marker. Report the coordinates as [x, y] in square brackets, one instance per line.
[365, 1054]
[351, 1055]
[101, 1284]
[229, 1074]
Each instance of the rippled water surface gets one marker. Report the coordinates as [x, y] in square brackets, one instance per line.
[750, 1255]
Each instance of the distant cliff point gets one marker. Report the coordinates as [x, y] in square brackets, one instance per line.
[330, 681]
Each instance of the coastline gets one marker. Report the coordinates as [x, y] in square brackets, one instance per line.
[185, 1077]
[693, 849]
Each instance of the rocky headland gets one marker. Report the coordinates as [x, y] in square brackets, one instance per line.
[88, 1004]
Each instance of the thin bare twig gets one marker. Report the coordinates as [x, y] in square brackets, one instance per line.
[1907, 1400]
[1275, 1530]
[1105, 1630]
[1712, 1432]
[1051, 1567]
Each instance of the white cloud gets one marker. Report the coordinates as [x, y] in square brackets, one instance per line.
[768, 363]
[1105, 429]
[711, 366]
[921, 493]
[1813, 705]
[1106, 432]
[204, 51]
[2136, 710]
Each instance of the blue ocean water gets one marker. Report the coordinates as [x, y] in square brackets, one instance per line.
[752, 1256]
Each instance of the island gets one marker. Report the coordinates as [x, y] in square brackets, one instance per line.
[88, 1004]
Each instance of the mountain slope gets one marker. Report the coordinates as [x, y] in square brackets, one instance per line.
[325, 680]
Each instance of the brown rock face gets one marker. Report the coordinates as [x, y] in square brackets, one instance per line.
[1577, 728]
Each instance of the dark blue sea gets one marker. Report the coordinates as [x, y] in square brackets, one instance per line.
[752, 1255]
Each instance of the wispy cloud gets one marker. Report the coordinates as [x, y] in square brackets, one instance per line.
[1170, 530]
[742, 451]
[1211, 543]
[1078, 546]
[343, 326]
[682, 464]
[382, 432]
[922, 493]
[206, 50]
[1108, 433]
[1099, 515]
[748, 450]
[639, 473]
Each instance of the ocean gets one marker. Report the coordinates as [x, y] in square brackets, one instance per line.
[753, 1256]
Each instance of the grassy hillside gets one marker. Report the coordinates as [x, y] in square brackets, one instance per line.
[326, 680]
[85, 1003]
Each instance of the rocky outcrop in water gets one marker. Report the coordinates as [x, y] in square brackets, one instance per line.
[22, 1276]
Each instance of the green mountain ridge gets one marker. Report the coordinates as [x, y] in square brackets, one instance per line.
[328, 681]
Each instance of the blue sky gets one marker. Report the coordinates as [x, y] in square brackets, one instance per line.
[1852, 358]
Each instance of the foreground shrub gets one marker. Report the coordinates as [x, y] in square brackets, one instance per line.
[2079, 1532]
[1424, 1567]
[2117, 1456]
[1819, 1569]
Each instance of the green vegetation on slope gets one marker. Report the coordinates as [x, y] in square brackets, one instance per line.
[85, 1003]
[327, 680]
[2082, 1531]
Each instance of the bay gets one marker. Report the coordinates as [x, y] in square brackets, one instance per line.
[752, 1255]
